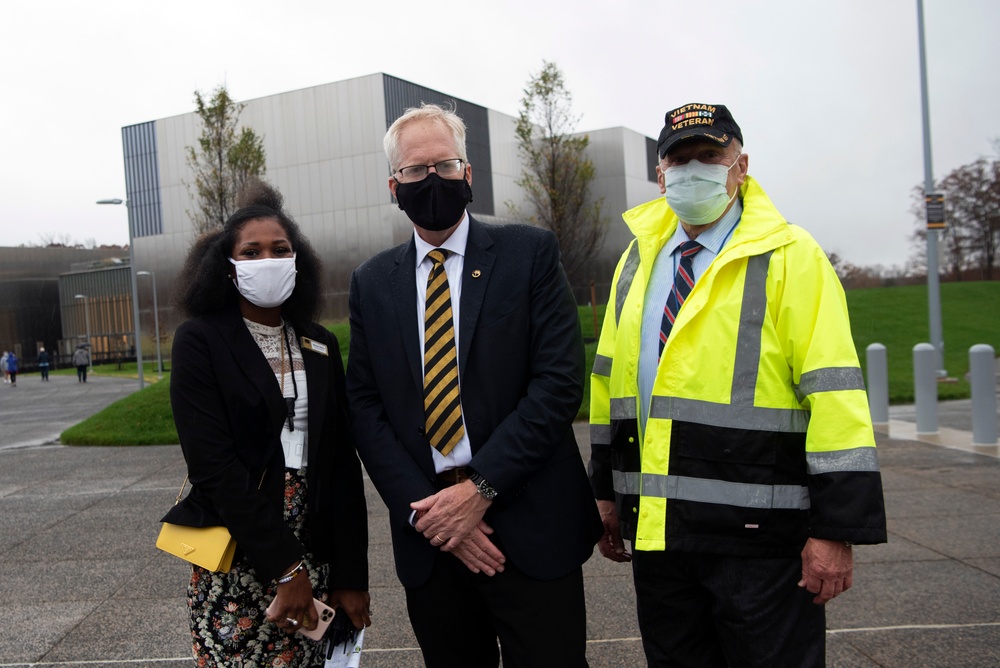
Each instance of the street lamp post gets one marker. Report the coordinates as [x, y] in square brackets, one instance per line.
[135, 290]
[156, 323]
[933, 281]
[86, 317]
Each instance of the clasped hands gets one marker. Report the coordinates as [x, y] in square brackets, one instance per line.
[452, 520]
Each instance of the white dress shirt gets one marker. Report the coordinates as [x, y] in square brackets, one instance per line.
[461, 454]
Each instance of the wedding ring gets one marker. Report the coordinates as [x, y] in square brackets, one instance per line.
[291, 621]
[439, 539]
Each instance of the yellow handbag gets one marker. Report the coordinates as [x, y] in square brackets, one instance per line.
[209, 547]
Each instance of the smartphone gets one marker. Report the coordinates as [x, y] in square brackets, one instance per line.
[324, 614]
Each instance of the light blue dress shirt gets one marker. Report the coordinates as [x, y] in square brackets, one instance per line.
[661, 282]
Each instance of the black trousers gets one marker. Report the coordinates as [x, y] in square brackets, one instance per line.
[458, 617]
[704, 610]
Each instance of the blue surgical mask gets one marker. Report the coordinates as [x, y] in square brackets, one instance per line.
[697, 192]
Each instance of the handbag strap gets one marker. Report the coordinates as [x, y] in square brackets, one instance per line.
[180, 493]
[184, 484]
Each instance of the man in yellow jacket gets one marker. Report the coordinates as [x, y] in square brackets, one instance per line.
[731, 438]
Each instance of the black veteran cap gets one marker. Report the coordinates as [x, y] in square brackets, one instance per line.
[697, 121]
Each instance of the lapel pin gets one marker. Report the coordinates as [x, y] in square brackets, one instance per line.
[476, 273]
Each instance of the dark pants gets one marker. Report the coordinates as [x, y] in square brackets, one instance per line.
[458, 616]
[45, 371]
[704, 610]
[81, 373]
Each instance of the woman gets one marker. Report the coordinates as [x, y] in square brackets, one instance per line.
[257, 391]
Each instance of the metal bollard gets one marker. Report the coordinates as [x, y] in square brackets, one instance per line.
[877, 362]
[925, 387]
[982, 378]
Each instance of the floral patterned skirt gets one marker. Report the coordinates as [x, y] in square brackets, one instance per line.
[228, 624]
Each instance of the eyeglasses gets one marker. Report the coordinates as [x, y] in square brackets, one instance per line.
[446, 169]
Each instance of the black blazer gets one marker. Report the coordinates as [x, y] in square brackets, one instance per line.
[521, 370]
[229, 413]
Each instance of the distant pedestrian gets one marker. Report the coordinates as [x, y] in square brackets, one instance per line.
[43, 363]
[3, 366]
[12, 368]
[81, 358]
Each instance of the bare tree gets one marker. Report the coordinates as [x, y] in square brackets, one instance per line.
[556, 173]
[225, 158]
[970, 241]
[972, 204]
[54, 240]
[854, 276]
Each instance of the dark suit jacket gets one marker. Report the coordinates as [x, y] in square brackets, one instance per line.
[521, 373]
[229, 413]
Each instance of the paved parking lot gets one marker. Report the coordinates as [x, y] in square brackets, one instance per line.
[83, 584]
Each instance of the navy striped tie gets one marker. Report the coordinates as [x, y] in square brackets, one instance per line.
[683, 282]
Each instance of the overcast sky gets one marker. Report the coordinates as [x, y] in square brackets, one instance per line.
[827, 93]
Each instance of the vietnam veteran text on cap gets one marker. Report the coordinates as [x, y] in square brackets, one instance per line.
[697, 121]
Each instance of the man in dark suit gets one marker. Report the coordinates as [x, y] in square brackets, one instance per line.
[465, 374]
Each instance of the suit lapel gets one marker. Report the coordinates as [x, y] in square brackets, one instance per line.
[476, 277]
[249, 358]
[404, 298]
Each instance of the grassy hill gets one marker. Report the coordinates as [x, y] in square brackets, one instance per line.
[895, 317]
[898, 319]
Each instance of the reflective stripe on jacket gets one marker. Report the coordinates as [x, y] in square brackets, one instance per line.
[759, 434]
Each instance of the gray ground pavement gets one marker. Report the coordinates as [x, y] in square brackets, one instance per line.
[83, 585]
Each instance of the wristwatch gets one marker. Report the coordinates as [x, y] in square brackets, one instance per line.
[484, 488]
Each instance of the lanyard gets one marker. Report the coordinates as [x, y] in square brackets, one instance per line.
[289, 401]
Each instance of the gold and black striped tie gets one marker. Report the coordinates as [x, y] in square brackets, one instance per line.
[442, 407]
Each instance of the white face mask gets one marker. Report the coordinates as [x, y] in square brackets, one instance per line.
[265, 283]
[697, 192]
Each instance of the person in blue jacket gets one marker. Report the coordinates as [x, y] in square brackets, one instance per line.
[12, 368]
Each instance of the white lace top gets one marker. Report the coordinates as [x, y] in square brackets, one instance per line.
[271, 342]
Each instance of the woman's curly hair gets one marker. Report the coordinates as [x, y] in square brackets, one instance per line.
[204, 285]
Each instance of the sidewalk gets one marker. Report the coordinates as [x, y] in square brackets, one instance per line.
[954, 424]
[83, 584]
[36, 412]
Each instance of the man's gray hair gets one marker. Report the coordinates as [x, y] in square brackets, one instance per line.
[425, 112]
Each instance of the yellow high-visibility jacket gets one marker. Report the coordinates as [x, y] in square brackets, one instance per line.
[758, 433]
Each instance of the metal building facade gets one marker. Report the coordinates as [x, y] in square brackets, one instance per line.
[323, 148]
[103, 309]
[142, 179]
[30, 312]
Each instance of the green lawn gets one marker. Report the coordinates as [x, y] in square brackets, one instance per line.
[898, 319]
[142, 418]
[895, 317]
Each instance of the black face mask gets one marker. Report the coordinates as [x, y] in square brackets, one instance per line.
[434, 203]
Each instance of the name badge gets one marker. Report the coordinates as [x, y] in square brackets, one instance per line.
[315, 346]
[293, 443]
